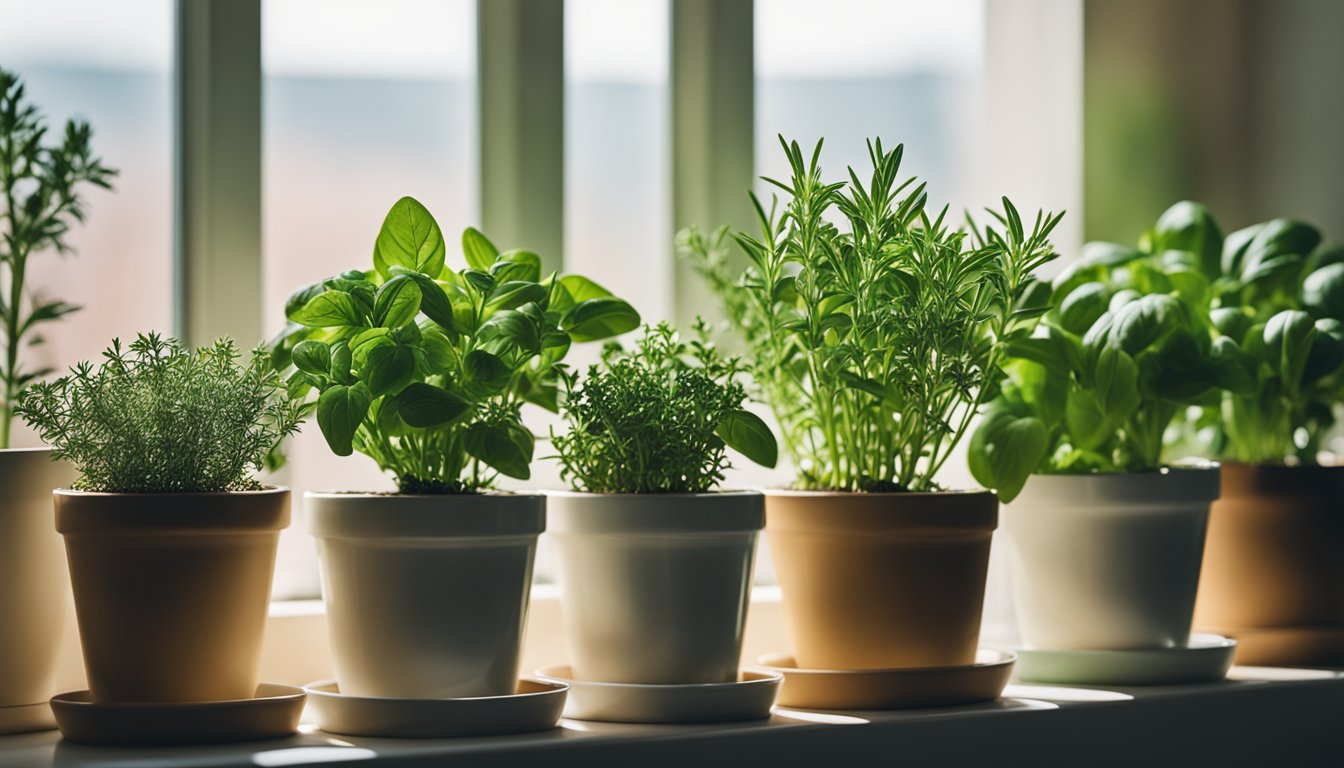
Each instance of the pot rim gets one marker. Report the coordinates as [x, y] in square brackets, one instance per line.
[957, 492]
[723, 494]
[265, 490]
[486, 493]
[656, 514]
[424, 517]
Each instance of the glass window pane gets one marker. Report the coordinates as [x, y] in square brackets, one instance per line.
[363, 103]
[617, 167]
[109, 64]
[905, 70]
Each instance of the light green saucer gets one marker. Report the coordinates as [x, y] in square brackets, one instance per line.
[1206, 658]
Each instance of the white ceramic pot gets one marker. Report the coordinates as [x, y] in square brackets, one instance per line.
[1108, 561]
[426, 595]
[34, 583]
[655, 587]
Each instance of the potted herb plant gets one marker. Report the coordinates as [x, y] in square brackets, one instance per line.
[1104, 538]
[655, 563]
[425, 369]
[1274, 560]
[876, 342]
[171, 543]
[42, 185]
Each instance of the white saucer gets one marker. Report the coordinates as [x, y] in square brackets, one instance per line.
[535, 707]
[1206, 658]
[24, 718]
[749, 698]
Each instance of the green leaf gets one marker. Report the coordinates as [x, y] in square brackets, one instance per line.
[1323, 291]
[328, 309]
[1088, 426]
[1327, 350]
[1188, 226]
[397, 302]
[409, 238]
[1117, 384]
[514, 294]
[512, 326]
[487, 370]
[1142, 323]
[507, 447]
[340, 410]
[478, 249]
[425, 405]
[312, 356]
[1081, 308]
[746, 433]
[1289, 336]
[600, 318]
[388, 368]
[1005, 449]
[524, 266]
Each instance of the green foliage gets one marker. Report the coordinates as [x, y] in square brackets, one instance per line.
[40, 183]
[1274, 304]
[657, 419]
[877, 343]
[1241, 330]
[157, 418]
[425, 368]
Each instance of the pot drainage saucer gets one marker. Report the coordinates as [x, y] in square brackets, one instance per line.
[536, 706]
[274, 713]
[895, 688]
[25, 718]
[748, 698]
[1207, 657]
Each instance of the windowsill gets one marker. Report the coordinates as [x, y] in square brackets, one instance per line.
[1263, 716]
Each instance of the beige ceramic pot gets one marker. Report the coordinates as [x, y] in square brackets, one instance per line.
[881, 580]
[1108, 562]
[655, 587]
[171, 590]
[426, 595]
[1274, 564]
[33, 579]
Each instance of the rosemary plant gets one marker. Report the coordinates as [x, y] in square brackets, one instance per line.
[875, 343]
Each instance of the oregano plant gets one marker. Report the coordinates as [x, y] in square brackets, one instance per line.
[877, 339]
[658, 418]
[41, 183]
[426, 368]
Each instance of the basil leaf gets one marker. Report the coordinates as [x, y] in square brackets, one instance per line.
[478, 250]
[397, 302]
[746, 433]
[425, 405]
[1005, 450]
[312, 356]
[1323, 291]
[506, 447]
[328, 309]
[600, 318]
[340, 410]
[410, 238]
[487, 370]
[1289, 336]
[388, 368]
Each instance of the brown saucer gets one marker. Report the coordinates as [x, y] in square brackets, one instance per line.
[907, 688]
[273, 714]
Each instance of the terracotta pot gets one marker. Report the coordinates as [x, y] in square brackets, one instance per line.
[1274, 563]
[33, 579]
[881, 580]
[426, 595]
[171, 590]
[655, 587]
[1105, 562]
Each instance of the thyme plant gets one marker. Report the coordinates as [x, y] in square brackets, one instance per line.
[157, 418]
[40, 184]
[658, 418]
[875, 342]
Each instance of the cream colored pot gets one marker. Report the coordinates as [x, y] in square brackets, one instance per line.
[1108, 561]
[426, 595]
[33, 579]
[655, 587]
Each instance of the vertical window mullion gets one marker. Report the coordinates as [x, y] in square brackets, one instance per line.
[217, 187]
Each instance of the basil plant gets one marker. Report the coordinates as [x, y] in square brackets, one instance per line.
[425, 368]
[1275, 303]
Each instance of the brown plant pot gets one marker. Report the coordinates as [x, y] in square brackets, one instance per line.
[171, 590]
[881, 580]
[1273, 573]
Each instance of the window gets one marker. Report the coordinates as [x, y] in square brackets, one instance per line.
[109, 64]
[362, 103]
